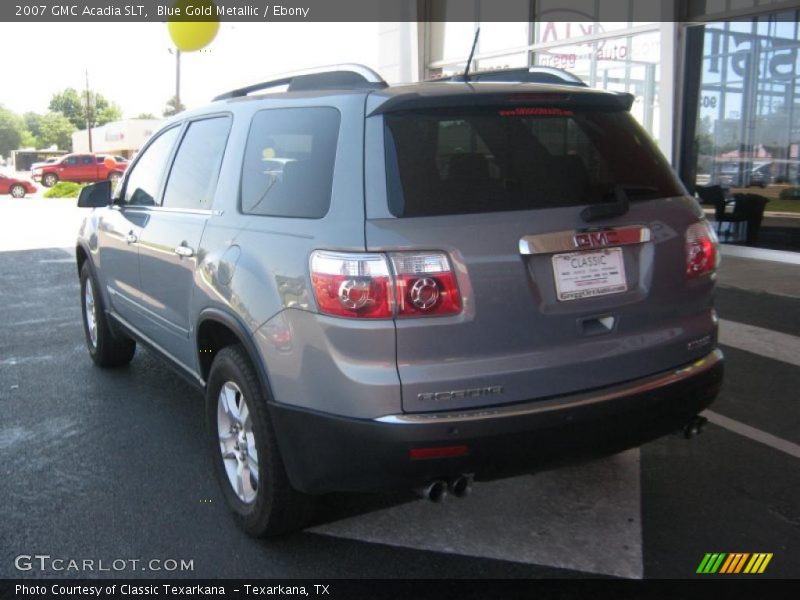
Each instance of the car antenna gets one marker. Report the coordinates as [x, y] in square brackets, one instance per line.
[471, 53]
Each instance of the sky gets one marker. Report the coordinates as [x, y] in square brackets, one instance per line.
[130, 63]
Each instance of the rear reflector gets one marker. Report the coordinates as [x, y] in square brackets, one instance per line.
[437, 452]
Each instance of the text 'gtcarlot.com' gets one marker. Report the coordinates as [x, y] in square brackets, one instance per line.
[45, 562]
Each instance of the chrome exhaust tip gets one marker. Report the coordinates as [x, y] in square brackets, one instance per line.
[435, 491]
[461, 487]
[694, 427]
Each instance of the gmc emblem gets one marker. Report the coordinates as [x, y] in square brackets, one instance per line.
[596, 239]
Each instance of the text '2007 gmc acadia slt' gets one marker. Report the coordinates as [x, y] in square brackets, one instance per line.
[386, 288]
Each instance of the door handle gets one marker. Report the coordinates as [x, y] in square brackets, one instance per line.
[131, 238]
[184, 251]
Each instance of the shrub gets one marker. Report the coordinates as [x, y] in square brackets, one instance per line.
[791, 193]
[64, 189]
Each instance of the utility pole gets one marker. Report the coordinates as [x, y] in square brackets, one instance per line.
[177, 54]
[177, 78]
[88, 111]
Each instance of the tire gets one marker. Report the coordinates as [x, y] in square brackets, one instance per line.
[265, 504]
[114, 177]
[49, 180]
[106, 347]
[17, 191]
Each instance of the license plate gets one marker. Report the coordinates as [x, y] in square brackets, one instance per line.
[588, 274]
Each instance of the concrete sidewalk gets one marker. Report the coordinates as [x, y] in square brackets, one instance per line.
[760, 270]
[30, 223]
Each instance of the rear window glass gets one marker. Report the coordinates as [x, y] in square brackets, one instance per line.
[458, 161]
[289, 160]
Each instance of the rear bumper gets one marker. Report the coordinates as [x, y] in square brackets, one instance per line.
[326, 453]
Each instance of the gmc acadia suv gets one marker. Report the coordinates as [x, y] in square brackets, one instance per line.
[386, 288]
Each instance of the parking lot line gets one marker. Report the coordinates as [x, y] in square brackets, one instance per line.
[765, 342]
[757, 435]
[583, 517]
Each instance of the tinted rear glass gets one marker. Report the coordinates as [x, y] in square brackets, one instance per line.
[288, 163]
[456, 161]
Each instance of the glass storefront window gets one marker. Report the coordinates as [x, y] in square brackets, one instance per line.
[623, 64]
[748, 121]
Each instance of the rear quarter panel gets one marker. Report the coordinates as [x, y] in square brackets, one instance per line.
[256, 268]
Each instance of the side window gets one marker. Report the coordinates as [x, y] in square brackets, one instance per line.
[100, 159]
[193, 178]
[87, 160]
[288, 163]
[72, 161]
[142, 185]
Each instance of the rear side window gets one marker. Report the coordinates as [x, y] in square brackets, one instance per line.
[193, 178]
[289, 160]
[458, 161]
[144, 180]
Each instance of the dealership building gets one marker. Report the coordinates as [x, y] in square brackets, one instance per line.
[122, 138]
[716, 82]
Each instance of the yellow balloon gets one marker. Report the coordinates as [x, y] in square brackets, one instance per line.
[190, 36]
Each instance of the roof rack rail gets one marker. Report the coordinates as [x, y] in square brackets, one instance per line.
[521, 75]
[344, 76]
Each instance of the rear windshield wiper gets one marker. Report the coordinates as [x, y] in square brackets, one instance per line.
[619, 206]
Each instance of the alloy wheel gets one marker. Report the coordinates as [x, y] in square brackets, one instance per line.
[237, 442]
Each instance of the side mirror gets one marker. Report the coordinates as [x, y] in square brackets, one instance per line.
[95, 195]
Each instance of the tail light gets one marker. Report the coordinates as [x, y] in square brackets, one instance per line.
[364, 285]
[425, 285]
[702, 249]
[352, 285]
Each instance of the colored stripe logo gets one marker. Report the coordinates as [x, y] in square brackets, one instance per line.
[734, 563]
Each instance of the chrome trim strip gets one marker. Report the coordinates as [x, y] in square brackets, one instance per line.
[563, 403]
[564, 241]
[167, 209]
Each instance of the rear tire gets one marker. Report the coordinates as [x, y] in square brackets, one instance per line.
[246, 458]
[106, 347]
[17, 191]
[50, 180]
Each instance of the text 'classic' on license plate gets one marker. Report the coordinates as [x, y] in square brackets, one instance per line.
[587, 274]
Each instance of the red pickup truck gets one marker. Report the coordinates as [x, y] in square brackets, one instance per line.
[82, 168]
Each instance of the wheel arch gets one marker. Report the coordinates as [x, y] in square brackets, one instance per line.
[217, 329]
[81, 256]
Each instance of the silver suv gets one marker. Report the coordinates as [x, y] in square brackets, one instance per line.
[407, 287]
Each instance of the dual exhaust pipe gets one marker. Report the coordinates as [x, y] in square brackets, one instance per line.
[694, 427]
[437, 490]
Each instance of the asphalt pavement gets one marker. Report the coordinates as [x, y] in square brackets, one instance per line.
[108, 465]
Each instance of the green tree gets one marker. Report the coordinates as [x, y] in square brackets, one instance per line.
[146, 115]
[56, 129]
[71, 104]
[11, 128]
[174, 106]
[32, 121]
[28, 140]
[110, 112]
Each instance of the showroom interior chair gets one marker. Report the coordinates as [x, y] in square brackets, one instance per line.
[715, 195]
[751, 207]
